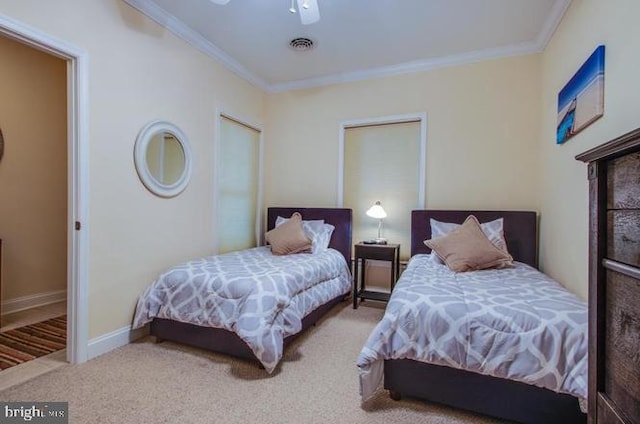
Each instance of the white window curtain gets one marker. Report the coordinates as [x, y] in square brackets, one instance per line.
[382, 163]
[238, 186]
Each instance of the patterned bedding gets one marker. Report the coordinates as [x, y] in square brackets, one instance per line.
[513, 323]
[259, 296]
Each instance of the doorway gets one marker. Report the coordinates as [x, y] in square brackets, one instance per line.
[77, 177]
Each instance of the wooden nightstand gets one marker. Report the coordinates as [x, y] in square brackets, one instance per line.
[379, 252]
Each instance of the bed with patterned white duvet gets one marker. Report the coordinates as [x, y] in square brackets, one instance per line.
[253, 293]
[513, 323]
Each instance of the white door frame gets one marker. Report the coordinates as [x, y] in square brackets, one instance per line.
[77, 178]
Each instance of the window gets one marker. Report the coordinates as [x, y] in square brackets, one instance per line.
[238, 185]
[383, 160]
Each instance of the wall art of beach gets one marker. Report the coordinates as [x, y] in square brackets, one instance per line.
[581, 100]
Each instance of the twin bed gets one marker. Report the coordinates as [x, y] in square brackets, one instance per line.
[508, 342]
[250, 304]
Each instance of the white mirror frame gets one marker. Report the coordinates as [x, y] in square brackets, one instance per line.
[140, 158]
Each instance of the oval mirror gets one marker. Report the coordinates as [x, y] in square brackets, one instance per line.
[163, 158]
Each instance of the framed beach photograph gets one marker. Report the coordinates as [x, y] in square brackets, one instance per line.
[581, 100]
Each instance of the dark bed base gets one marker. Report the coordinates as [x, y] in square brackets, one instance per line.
[510, 400]
[221, 340]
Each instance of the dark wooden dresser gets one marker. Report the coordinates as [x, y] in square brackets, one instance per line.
[614, 280]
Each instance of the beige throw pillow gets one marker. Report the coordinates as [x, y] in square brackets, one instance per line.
[494, 230]
[289, 237]
[467, 248]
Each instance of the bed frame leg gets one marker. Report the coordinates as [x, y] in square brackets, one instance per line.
[395, 395]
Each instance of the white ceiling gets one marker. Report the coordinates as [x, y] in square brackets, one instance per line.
[356, 39]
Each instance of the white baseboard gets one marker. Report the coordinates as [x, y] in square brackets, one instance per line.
[33, 301]
[115, 339]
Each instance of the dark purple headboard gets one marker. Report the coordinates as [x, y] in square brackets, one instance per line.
[520, 230]
[338, 217]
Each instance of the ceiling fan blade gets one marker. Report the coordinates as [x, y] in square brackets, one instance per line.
[220, 1]
[309, 12]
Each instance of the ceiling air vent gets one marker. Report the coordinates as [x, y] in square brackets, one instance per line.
[301, 44]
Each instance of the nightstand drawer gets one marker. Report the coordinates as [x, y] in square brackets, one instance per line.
[376, 252]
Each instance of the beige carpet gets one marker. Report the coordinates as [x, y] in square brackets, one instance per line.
[317, 382]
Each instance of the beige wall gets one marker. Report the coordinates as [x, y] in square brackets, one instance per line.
[490, 136]
[563, 180]
[482, 133]
[139, 72]
[33, 171]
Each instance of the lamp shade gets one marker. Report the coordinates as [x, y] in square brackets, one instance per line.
[376, 211]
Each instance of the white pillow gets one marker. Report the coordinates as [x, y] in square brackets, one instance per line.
[319, 232]
[494, 230]
[325, 238]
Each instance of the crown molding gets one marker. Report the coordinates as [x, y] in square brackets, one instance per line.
[550, 26]
[409, 67]
[181, 30]
[537, 46]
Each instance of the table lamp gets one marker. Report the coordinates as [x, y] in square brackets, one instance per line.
[376, 211]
